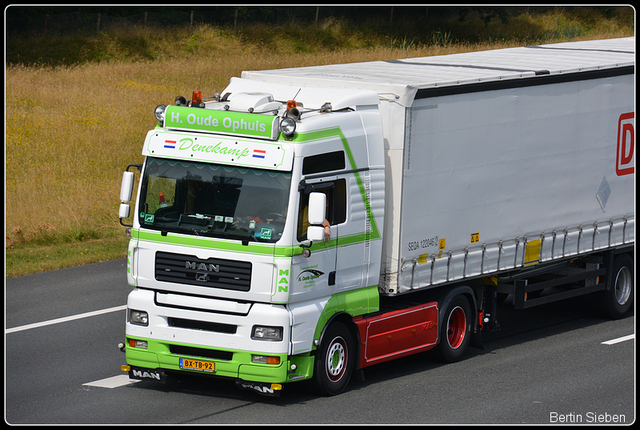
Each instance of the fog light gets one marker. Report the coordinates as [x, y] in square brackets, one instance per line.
[260, 359]
[265, 359]
[133, 343]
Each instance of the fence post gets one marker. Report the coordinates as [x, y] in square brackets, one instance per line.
[317, 12]
[144, 20]
[98, 24]
[191, 19]
[235, 19]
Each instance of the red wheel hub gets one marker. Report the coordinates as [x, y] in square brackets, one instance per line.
[456, 327]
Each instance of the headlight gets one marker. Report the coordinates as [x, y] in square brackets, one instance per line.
[266, 333]
[159, 112]
[288, 126]
[138, 317]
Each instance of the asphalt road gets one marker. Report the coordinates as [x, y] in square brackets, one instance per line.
[547, 365]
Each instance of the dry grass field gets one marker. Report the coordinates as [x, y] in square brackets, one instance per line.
[71, 130]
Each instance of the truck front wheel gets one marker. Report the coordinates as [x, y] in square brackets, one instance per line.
[455, 330]
[334, 360]
[618, 297]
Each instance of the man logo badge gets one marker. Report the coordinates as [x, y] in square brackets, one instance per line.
[202, 266]
[203, 269]
[146, 374]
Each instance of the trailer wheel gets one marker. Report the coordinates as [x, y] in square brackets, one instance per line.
[334, 360]
[455, 330]
[618, 297]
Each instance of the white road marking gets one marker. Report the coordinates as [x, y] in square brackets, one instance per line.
[112, 382]
[65, 319]
[618, 340]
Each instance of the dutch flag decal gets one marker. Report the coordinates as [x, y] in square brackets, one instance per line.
[259, 153]
[171, 144]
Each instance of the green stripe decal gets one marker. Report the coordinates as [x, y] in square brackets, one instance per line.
[217, 244]
[355, 303]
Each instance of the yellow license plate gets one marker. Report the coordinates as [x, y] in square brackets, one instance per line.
[205, 366]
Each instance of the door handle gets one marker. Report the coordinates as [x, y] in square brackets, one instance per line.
[332, 278]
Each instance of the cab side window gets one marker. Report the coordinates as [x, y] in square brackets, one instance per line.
[323, 163]
[336, 192]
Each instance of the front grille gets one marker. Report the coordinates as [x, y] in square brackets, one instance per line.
[202, 325]
[201, 352]
[213, 273]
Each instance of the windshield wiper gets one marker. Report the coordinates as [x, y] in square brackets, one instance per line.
[222, 234]
[212, 230]
[244, 238]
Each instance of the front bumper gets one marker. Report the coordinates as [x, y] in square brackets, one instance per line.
[208, 334]
[158, 358]
[159, 355]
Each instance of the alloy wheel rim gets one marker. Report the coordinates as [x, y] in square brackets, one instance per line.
[623, 285]
[456, 327]
[336, 359]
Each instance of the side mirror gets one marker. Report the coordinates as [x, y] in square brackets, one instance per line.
[317, 208]
[126, 189]
[124, 211]
[315, 233]
[317, 214]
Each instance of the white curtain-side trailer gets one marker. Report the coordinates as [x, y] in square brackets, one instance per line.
[498, 161]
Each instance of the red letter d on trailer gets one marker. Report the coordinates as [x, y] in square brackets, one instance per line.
[626, 145]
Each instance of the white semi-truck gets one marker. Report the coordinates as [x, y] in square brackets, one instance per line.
[306, 223]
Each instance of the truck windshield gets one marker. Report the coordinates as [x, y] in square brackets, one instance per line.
[214, 200]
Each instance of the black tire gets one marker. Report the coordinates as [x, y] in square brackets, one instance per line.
[618, 298]
[335, 360]
[455, 330]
